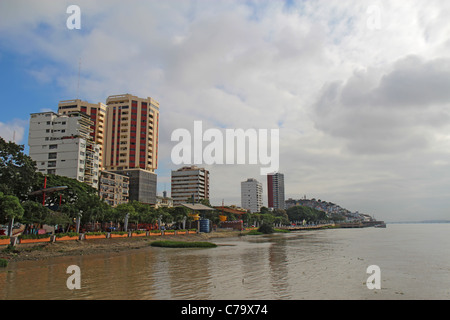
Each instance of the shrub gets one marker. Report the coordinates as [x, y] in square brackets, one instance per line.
[95, 233]
[266, 228]
[119, 232]
[66, 234]
[3, 263]
[34, 236]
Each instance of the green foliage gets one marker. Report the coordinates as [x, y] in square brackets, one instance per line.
[34, 212]
[34, 236]
[305, 213]
[76, 193]
[10, 208]
[122, 210]
[95, 233]
[67, 234]
[3, 263]
[17, 170]
[266, 228]
[264, 210]
[119, 232]
[58, 218]
[183, 244]
[281, 230]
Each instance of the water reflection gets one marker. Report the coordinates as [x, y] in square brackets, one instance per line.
[310, 265]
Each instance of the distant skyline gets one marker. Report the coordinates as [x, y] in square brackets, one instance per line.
[357, 88]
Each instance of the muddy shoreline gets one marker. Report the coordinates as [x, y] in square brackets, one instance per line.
[39, 251]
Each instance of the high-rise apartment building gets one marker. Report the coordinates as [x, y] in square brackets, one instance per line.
[188, 182]
[131, 143]
[63, 145]
[275, 190]
[96, 112]
[251, 195]
[132, 133]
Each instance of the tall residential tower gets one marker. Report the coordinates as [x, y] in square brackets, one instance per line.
[251, 195]
[131, 143]
[275, 190]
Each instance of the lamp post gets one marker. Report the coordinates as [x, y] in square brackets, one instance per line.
[79, 215]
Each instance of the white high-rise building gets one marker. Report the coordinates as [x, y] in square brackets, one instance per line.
[62, 145]
[251, 195]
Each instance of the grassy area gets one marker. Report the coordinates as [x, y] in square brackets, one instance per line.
[183, 244]
[281, 230]
[254, 233]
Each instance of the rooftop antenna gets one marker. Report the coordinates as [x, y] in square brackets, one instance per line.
[78, 85]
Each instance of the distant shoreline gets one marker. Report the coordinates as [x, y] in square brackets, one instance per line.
[419, 222]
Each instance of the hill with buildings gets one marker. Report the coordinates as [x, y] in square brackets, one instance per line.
[330, 208]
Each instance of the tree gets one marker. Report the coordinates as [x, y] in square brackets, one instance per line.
[282, 215]
[34, 212]
[142, 213]
[122, 210]
[264, 210]
[205, 202]
[300, 213]
[10, 209]
[77, 193]
[164, 215]
[179, 214]
[17, 170]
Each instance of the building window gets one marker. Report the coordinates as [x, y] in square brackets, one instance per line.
[51, 164]
[53, 146]
[52, 155]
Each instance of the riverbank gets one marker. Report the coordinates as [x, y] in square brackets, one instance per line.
[38, 251]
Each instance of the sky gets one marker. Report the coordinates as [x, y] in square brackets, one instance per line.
[358, 89]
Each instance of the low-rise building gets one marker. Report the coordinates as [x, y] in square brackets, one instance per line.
[163, 201]
[114, 188]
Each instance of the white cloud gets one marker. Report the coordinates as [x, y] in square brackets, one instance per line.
[314, 68]
[14, 130]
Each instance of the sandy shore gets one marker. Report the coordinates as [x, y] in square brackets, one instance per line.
[38, 251]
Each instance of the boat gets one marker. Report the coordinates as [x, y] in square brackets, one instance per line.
[381, 225]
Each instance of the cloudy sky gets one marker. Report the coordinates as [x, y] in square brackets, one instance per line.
[360, 90]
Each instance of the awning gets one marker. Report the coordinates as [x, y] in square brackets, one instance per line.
[197, 206]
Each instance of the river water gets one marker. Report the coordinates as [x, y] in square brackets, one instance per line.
[414, 260]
